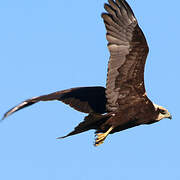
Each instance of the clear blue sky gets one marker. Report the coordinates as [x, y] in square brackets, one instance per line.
[50, 45]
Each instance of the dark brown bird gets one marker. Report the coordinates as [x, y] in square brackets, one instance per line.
[124, 102]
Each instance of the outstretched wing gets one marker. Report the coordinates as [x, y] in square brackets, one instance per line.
[128, 51]
[84, 99]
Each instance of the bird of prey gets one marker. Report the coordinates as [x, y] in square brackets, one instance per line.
[123, 103]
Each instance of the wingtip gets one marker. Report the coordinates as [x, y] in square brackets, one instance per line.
[5, 116]
[2, 119]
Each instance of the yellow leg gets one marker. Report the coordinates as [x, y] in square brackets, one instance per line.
[102, 136]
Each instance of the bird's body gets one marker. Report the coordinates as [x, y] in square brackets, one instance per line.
[123, 103]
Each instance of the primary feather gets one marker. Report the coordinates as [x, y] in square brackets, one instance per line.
[123, 103]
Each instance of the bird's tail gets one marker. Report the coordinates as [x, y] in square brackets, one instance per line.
[92, 121]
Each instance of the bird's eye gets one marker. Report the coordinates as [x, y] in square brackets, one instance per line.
[162, 111]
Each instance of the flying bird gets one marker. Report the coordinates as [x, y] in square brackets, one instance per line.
[123, 103]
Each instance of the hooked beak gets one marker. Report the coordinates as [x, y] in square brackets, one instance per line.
[170, 117]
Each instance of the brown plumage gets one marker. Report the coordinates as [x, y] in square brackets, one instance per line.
[124, 103]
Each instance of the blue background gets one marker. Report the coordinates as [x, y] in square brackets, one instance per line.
[51, 45]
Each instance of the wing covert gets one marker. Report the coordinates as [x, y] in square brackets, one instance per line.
[128, 51]
[83, 99]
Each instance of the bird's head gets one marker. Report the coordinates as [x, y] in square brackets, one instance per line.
[162, 112]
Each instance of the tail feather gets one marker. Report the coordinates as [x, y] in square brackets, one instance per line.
[92, 121]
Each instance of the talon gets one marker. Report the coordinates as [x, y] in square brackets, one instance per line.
[100, 137]
[98, 143]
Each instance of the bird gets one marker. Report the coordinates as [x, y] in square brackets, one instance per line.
[123, 103]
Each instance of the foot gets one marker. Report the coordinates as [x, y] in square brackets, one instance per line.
[101, 137]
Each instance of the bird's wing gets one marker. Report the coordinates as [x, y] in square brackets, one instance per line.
[128, 51]
[83, 99]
